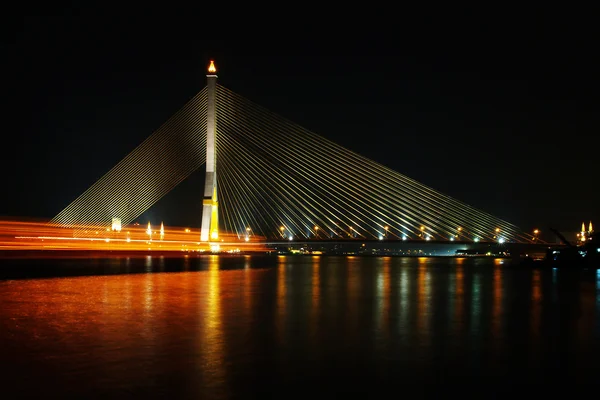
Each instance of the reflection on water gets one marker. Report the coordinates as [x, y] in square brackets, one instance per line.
[222, 327]
[315, 285]
[536, 302]
[423, 302]
[497, 305]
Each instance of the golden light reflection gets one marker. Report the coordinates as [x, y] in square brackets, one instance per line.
[354, 293]
[247, 292]
[404, 298]
[315, 295]
[213, 330]
[281, 297]
[149, 294]
[423, 298]
[316, 283]
[385, 295]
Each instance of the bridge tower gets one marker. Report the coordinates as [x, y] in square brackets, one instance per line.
[210, 211]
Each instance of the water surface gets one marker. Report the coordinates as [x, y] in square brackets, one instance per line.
[283, 326]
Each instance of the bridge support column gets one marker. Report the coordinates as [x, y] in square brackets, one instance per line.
[210, 211]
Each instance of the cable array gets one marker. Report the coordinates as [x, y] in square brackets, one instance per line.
[168, 156]
[279, 180]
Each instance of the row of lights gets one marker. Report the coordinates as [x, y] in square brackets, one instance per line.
[316, 228]
[426, 236]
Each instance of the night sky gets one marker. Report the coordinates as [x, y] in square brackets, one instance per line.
[502, 116]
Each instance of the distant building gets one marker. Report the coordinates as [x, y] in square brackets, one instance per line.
[584, 234]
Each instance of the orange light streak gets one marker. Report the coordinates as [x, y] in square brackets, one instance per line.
[42, 235]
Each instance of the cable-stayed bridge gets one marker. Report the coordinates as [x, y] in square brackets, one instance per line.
[278, 180]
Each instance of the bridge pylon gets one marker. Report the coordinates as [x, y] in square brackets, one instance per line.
[210, 210]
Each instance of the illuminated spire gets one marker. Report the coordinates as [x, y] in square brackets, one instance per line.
[590, 229]
[149, 230]
[162, 230]
[583, 227]
[211, 67]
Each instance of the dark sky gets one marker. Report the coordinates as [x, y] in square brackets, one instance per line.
[502, 115]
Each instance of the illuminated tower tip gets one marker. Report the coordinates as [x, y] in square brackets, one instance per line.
[211, 67]
[590, 227]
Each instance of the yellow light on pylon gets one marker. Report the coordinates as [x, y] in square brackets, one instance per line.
[211, 67]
